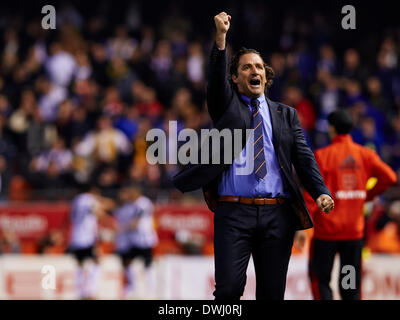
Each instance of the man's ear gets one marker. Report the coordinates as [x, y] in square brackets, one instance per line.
[332, 131]
[234, 78]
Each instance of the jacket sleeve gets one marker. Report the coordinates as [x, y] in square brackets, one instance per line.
[219, 92]
[310, 203]
[304, 162]
[382, 172]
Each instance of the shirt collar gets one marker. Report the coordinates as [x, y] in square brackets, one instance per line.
[342, 138]
[260, 99]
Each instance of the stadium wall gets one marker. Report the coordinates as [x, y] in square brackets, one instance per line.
[174, 277]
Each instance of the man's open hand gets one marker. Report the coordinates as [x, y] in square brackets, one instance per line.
[325, 203]
[222, 22]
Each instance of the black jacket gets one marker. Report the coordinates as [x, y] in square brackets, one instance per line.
[228, 110]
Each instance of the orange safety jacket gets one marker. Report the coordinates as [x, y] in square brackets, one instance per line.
[346, 167]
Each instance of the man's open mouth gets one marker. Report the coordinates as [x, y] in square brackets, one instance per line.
[255, 82]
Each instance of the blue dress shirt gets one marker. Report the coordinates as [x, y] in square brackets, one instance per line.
[272, 185]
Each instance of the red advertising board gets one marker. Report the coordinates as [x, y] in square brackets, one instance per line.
[31, 221]
[194, 219]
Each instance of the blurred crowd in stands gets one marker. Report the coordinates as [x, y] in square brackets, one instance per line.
[76, 102]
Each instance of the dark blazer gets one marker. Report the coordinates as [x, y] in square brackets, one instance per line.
[228, 110]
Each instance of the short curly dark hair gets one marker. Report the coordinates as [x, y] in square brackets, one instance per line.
[234, 64]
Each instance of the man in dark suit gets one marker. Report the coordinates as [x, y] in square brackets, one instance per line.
[255, 214]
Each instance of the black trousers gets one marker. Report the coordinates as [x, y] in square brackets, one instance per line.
[82, 254]
[265, 232]
[145, 253]
[321, 259]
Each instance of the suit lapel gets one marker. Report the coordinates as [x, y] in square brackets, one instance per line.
[275, 111]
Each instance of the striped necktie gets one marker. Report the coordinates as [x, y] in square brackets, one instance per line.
[260, 169]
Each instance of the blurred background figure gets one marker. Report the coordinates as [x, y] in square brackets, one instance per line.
[136, 235]
[346, 168]
[87, 208]
[52, 243]
[8, 242]
[383, 227]
[105, 144]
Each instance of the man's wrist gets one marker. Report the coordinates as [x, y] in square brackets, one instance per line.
[220, 40]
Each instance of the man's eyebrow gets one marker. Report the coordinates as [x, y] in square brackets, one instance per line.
[249, 64]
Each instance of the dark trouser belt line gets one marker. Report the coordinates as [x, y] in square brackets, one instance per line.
[246, 200]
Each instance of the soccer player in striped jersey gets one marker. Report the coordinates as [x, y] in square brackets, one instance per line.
[136, 234]
[87, 208]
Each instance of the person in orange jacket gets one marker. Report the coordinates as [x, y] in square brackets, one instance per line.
[346, 167]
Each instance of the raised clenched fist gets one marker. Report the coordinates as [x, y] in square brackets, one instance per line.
[222, 22]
